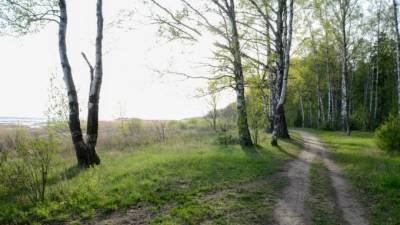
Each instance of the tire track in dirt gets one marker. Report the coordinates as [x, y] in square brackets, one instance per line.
[290, 208]
[352, 210]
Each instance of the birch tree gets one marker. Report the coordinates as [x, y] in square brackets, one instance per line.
[345, 13]
[27, 16]
[283, 43]
[180, 25]
[275, 25]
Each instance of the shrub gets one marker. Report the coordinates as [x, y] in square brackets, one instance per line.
[388, 135]
[223, 136]
[359, 120]
[25, 174]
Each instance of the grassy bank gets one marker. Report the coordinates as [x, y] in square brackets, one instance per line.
[176, 183]
[374, 173]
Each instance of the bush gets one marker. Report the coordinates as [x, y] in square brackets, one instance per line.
[359, 120]
[24, 174]
[223, 136]
[388, 135]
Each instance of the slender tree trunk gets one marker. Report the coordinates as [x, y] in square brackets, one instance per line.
[320, 107]
[244, 133]
[214, 118]
[265, 103]
[330, 116]
[319, 101]
[95, 86]
[74, 122]
[396, 23]
[371, 94]
[310, 117]
[301, 108]
[344, 97]
[330, 100]
[271, 79]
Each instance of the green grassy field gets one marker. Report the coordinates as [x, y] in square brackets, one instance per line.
[374, 173]
[172, 184]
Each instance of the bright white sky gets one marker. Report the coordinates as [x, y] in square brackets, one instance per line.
[131, 56]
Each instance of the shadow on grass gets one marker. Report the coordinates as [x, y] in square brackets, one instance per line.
[291, 155]
[66, 174]
[253, 151]
[72, 172]
[296, 141]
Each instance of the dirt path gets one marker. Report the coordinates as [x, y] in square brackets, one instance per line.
[290, 209]
[352, 211]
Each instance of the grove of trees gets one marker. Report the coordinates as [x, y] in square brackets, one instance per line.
[310, 63]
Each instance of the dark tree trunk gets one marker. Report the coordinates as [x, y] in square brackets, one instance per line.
[302, 109]
[74, 122]
[242, 122]
[85, 152]
[95, 86]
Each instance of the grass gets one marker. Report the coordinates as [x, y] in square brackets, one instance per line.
[321, 202]
[176, 184]
[374, 173]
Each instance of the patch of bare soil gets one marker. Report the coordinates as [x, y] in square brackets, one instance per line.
[352, 210]
[137, 215]
[290, 209]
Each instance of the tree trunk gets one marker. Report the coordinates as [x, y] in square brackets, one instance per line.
[320, 106]
[396, 23]
[310, 114]
[371, 94]
[74, 122]
[330, 116]
[302, 109]
[344, 97]
[95, 86]
[85, 153]
[283, 45]
[265, 107]
[242, 122]
[272, 103]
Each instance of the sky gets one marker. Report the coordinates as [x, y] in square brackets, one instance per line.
[133, 53]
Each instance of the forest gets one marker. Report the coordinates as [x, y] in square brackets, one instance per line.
[310, 134]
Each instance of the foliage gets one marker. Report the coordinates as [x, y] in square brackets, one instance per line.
[359, 120]
[26, 170]
[26, 16]
[255, 114]
[388, 135]
[224, 137]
